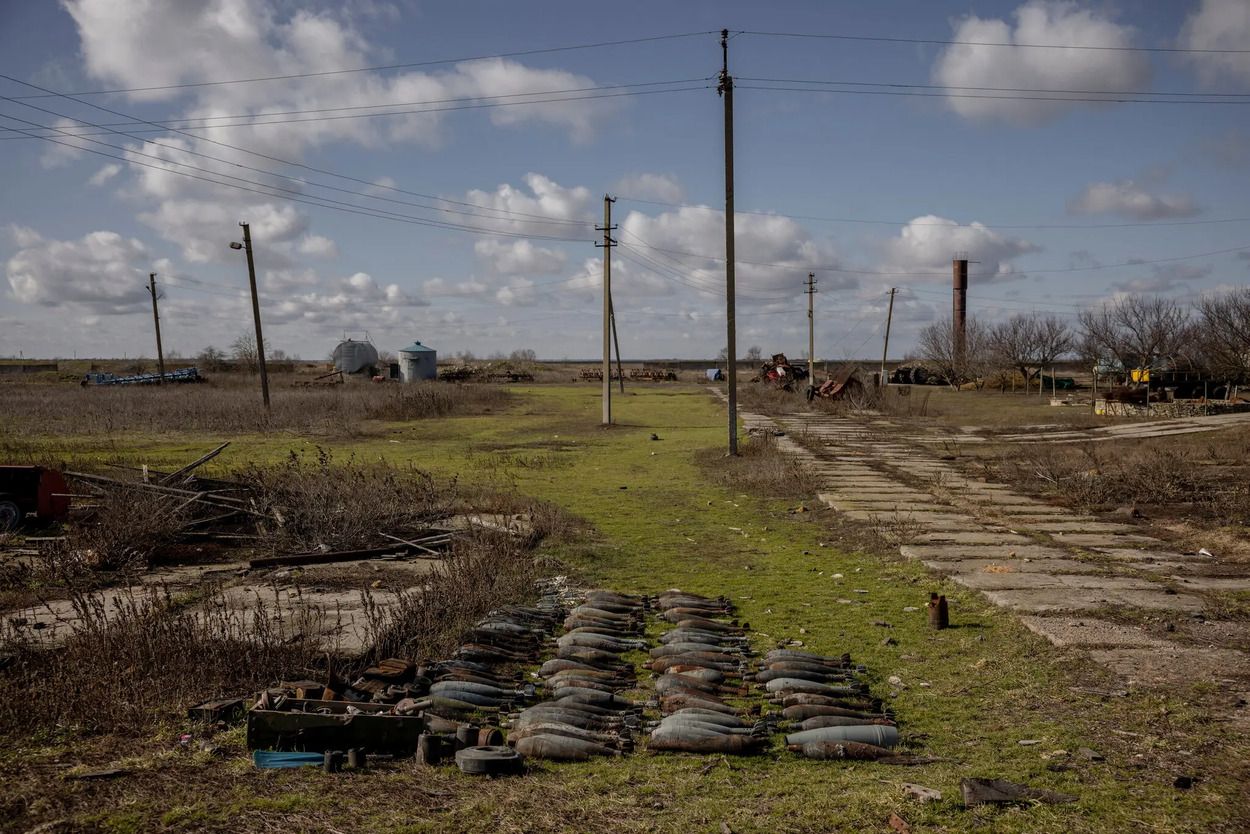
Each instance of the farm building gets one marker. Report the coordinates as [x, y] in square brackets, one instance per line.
[417, 362]
[353, 357]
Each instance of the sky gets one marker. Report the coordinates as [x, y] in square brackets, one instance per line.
[435, 171]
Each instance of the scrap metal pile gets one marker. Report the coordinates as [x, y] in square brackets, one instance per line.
[708, 693]
[780, 372]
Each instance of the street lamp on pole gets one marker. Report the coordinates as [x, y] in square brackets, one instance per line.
[246, 246]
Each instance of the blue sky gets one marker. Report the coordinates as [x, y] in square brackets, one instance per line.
[933, 174]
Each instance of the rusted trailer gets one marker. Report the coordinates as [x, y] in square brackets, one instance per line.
[31, 490]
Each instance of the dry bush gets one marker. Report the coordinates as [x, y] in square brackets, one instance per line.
[483, 571]
[133, 664]
[761, 468]
[321, 504]
[126, 529]
[229, 406]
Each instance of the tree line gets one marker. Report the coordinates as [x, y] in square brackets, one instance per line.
[1212, 337]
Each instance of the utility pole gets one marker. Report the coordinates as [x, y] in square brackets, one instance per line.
[725, 89]
[609, 323]
[885, 350]
[260, 339]
[156, 320]
[811, 331]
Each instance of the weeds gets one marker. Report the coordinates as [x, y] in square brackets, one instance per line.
[760, 468]
[233, 406]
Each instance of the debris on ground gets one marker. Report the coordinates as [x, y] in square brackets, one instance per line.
[1000, 791]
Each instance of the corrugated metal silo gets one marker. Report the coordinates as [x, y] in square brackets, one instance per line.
[417, 362]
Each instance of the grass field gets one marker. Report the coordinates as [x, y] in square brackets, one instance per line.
[664, 513]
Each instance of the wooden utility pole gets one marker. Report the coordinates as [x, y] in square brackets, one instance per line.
[156, 320]
[726, 90]
[608, 323]
[260, 338]
[885, 349]
[811, 331]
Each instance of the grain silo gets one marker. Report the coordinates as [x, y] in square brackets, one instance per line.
[353, 357]
[418, 361]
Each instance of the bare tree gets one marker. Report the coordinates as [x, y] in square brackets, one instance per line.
[1135, 331]
[938, 349]
[1222, 333]
[754, 353]
[1028, 343]
[211, 358]
[524, 355]
[243, 349]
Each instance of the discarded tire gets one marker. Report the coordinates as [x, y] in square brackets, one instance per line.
[489, 761]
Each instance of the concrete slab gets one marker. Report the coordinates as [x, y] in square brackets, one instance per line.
[1214, 583]
[943, 552]
[970, 537]
[1176, 665]
[1100, 540]
[986, 581]
[1083, 599]
[1077, 526]
[1087, 632]
[1011, 566]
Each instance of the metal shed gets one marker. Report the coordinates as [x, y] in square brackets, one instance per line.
[418, 361]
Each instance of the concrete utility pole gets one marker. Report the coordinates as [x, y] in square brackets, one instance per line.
[811, 331]
[885, 349]
[726, 90]
[609, 324]
[156, 320]
[260, 339]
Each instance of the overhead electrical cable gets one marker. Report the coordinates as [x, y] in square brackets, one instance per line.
[1019, 97]
[1008, 44]
[409, 65]
[988, 89]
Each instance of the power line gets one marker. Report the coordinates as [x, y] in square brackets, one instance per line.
[952, 225]
[834, 268]
[253, 119]
[409, 65]
[1009, 44]
[1116, 100]
[991, 89]
[321, 202]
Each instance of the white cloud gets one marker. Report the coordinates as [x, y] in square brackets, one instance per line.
[441, 287]
[102, 272]
[647, 186]
[685, 247]
[1038, 22]
[105, 174]
[205, 227]
[552, 208]
[1163, 279]
[1130, 199]
[928, 243]
[518, 257]
[318, 247]
[1219, 24]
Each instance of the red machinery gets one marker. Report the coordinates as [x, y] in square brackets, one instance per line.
[31, 489]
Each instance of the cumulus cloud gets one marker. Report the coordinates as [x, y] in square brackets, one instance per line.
[441, 287]
[1130, 199]
[1037, 22]
[646, 186]
[548, 208]
[1164, 278]
[317, 246]
[928, 243]
[102, 272]
[105, 174]
[518, 257]
[1218, 24]
[773, 253]
[205, 227]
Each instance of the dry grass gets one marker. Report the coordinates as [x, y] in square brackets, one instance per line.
[321, 504]
[761, 469]
[136, 662]
[232, 405]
